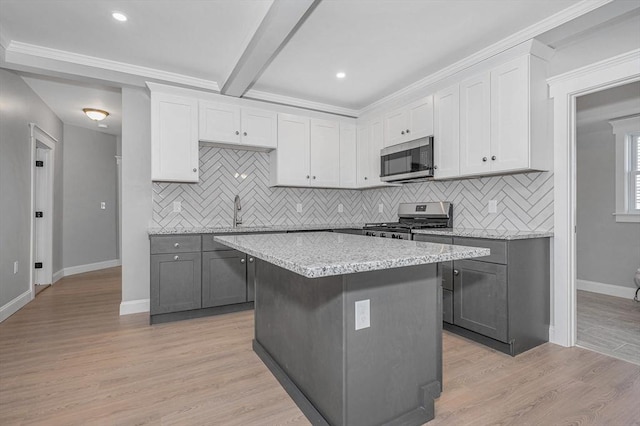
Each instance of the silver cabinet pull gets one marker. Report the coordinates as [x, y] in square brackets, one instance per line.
[251, 260]
[365, 178]
[314, 177]
[407, 131]
[176, 257]
[237, 132]
[241, 260]
[493, 157]
[307, 176]
[484, 158]
[176, 245]
[244, 134]
[456, 272]
[435, 167]
[195, 170]
[402, 132]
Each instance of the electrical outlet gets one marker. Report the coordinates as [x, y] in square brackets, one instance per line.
[15, 267]
[340, 208]
[493, 206]
[299, 208]
[363, 314]
[177, 206]
[380, 208]
[103, 205]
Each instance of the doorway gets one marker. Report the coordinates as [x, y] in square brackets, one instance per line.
[42, 178]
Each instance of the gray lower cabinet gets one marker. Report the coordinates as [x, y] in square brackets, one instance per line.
[175, 282]
[480, 298]
[501, 300]
[224, 278]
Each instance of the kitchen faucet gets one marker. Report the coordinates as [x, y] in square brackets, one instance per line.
[236, 208]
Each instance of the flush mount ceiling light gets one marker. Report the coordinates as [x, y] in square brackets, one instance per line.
[341, 75]
[95, 114]
[118, 16]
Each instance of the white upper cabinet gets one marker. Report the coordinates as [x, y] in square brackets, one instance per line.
[231, 124]
[446, 143]
[510, 107]
[369, 141]
[325, 153]
[410, 122]
[475, 125]
[348, 156]
[290, 162]
[174, 138]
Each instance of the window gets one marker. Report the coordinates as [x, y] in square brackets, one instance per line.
[627, 139]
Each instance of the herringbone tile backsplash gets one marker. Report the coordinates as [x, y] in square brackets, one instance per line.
[525, 201]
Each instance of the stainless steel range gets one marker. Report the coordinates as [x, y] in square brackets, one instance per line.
[413, 216]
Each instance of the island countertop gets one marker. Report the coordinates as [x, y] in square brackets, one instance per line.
[321, 254]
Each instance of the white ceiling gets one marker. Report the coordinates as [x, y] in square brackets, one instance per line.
[382, 45]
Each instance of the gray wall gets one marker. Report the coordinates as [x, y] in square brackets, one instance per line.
[136, 193]
[608, 252]
[89, 178]
[19, 106]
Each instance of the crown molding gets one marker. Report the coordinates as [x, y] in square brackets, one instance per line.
[300, 103]
[19, 48]
[562, 17]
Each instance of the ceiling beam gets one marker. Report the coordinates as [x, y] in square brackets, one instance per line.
[278, 26]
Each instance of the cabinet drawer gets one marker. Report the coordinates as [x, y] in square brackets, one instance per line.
[438, 239]
[175, 244]
[498, 248]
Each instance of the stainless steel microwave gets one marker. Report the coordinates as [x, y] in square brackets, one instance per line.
[407, 162]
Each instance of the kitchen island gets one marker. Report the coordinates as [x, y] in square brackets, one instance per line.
[350, 325]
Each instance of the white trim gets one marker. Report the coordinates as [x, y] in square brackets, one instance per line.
[81, 269]
[134, 306]
[57, 276]
[608, 289]
[19, 48]
[16, 304]
[627, 217]
[301, 103]
[565, 89]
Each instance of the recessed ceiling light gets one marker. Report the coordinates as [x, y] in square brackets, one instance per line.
[118, 16]
[95, 114]
[341, 75]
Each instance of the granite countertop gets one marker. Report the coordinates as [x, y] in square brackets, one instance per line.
[266, 228]
[492, 234]
[321, 254]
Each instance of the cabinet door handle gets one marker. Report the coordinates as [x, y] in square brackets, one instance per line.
[435, 167]
[484, 158]
[176, 245]
[195, 170]
[241, 260]
[493, 157]
[407, 131]
[365, 178]
[456, 272]
[314, 177]
[402, 132]
[176, 257]
[251, 260]
[237, 132]
[308, 176]
[244, 134]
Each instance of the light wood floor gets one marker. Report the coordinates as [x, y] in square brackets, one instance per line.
[609, 325]
[68, 358]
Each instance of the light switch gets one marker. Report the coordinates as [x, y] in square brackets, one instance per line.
[177, 206]
[363, 314]
[380, 208]
[340, 208]
[103, 205]
[493, 206]
[15, 267]
[299, 208]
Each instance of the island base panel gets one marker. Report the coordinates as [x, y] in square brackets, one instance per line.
[389, 373]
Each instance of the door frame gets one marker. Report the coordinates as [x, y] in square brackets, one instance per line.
[564, 89]
[40, 138]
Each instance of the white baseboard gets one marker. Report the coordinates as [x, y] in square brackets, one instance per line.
[134, 306]
[12, 307]
[608, 289]
[80, 269]
[58, 276]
